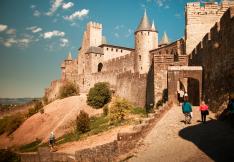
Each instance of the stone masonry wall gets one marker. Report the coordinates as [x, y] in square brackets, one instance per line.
[199, 19]
[215, 53]
[132, 86]
[123, 63]
[170, 55]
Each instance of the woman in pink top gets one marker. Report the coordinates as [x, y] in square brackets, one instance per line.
[204, 111]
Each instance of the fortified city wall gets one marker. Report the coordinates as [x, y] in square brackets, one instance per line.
[215, 53]
[200, 18]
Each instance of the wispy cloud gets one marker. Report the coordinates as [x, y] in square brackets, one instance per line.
[161, 3]
[116, 35]
[36, 13]
[55, 4]
[64, 42]
[8, 42]
[177, 15]
[117, 27]
[11, 31]
[34, 29]
[3, 27]
[55, 33]
[77, 15]
[22, 42]
[130, 31]
[67, 5]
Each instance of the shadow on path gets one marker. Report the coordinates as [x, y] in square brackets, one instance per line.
[215, 138]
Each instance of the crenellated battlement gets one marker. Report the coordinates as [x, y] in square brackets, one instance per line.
[96, 25]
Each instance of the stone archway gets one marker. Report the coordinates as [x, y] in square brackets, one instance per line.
[176, 73]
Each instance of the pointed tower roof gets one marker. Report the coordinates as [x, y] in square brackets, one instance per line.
[144, 24]
[69, 56]
[153, 28]
[165, 40]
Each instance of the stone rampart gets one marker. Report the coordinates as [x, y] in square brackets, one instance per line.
[123, 63]
[132, 86]
[200, 18]
[215, 53]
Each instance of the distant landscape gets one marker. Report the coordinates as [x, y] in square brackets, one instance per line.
[15, 101]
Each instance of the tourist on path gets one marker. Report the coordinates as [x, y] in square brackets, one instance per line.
[187, 110]
[204, 111]
[181, 96]
[52, 141]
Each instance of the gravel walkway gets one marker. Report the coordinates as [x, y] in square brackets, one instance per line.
[173, 141]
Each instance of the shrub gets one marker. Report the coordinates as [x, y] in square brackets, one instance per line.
[99, 95]
[8, 156]
[105, 110]
[37, 107]
[139, 110]
[69, 89]
[159, 103]
[9, 124]
[119, 109]
[83, 122]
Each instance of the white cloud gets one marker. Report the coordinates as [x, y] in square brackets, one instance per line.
[3, 27]
[36, 13]
[11, 31]
[55, 5]
[34, 29]
[78, 14]
[33, 6]
[116, 35]
[55, 33]
[67, 5]
[117, 27]
[9, 42]
[64, 42]
[130, 31]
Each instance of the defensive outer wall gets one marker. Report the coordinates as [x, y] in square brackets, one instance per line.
[215, 53]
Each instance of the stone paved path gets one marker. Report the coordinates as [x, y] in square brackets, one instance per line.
[173, 141]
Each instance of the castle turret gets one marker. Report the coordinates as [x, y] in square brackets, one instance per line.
[94, 34]
[146, 39]
[165, 40]
[68, 60]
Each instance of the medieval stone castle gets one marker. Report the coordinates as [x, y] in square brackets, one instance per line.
[142, 74]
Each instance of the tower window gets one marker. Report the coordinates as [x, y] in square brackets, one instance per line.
[121, 51]
[139, 57]
[116, 50]
[107, 49]
[148, 33]
[100, 65]
[141, 67]
[111, 49]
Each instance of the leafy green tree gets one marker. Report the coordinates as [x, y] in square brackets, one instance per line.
[69, 89]
[99, 95]
[83, 122]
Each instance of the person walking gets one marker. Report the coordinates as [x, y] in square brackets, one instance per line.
[204, 111]
[187, 110]
[52, 141]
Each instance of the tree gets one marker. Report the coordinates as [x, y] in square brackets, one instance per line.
[99, 95]
[69, 89]
[83, 122]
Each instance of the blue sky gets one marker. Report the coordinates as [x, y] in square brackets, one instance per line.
[36, 35]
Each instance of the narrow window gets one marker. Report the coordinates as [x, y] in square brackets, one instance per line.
[139, 57]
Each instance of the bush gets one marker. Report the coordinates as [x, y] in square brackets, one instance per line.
[159, 103]
[83, 122]
[8, 156]
[139, 111]
[99, 95]
[119, 109]
[105, 110]
[9, 124]
[37, 107]
[69, 89]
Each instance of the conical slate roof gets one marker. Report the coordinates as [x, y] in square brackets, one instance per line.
[144, 24]
[69, 56]
[165, 40]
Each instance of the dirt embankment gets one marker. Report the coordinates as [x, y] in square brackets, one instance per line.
[58, 117]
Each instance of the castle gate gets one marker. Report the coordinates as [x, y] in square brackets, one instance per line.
[194, 75]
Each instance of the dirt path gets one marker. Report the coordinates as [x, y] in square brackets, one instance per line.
[173, 141]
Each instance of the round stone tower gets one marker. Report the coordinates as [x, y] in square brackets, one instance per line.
[146, 39]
